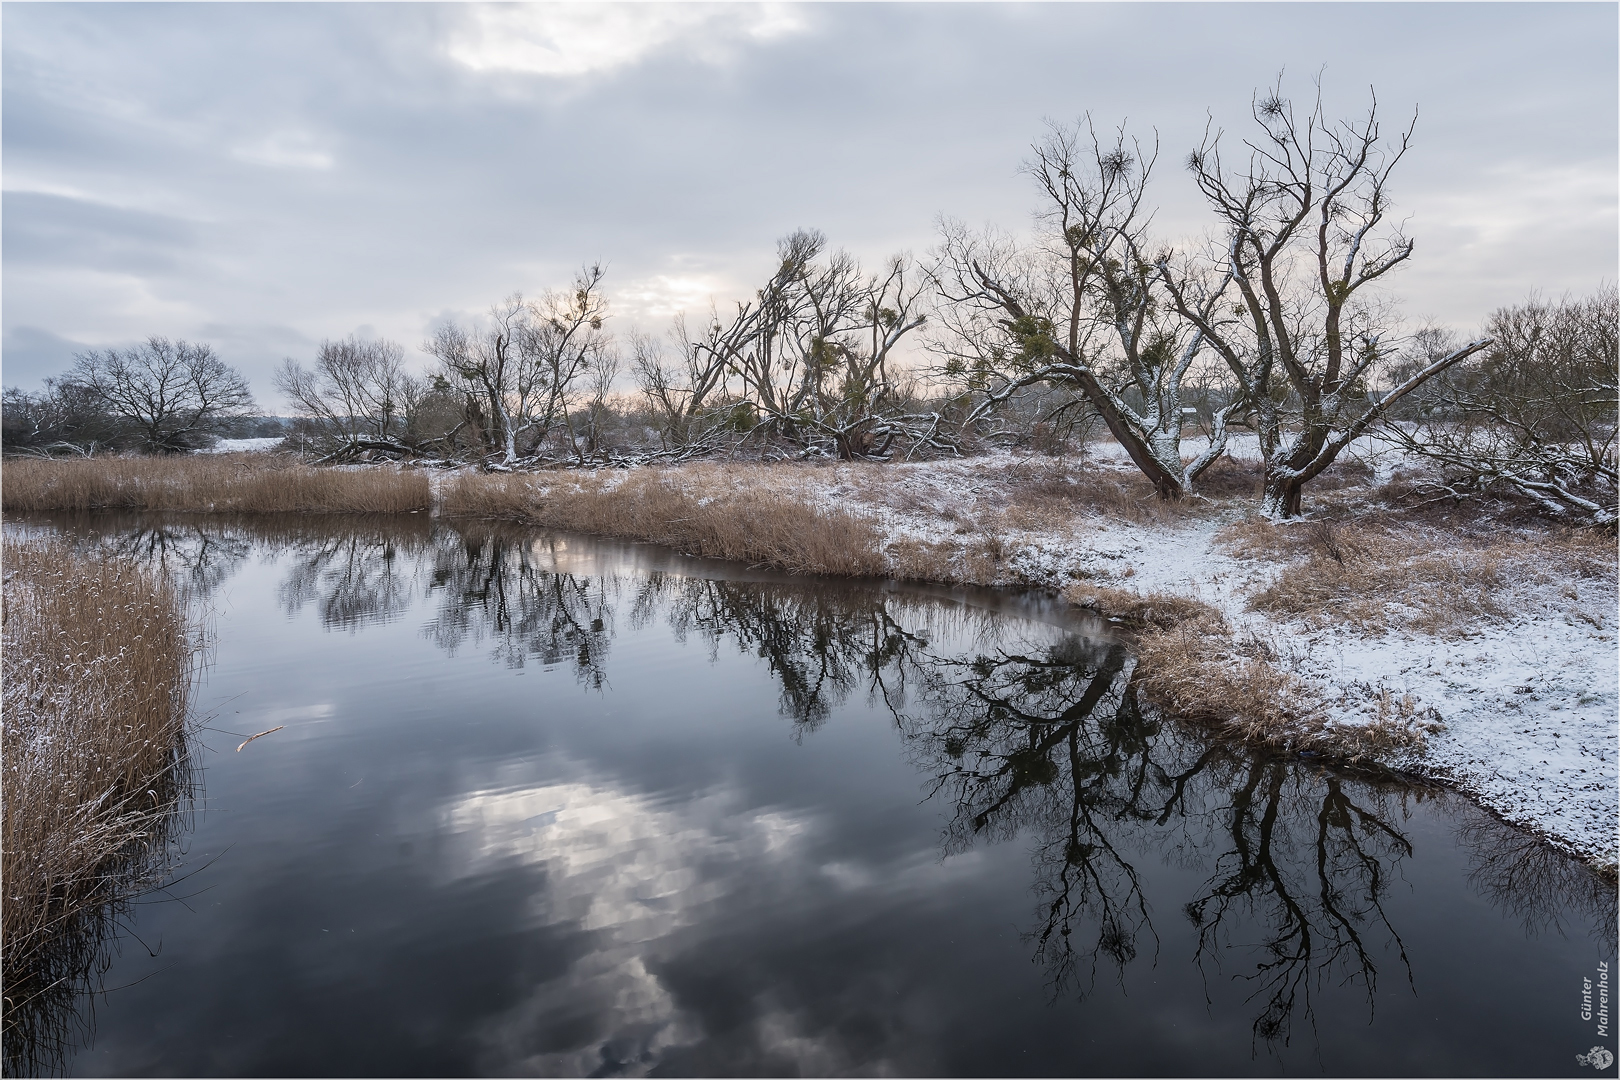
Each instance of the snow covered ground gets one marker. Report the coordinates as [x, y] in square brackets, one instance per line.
[1529, 703]
[232, 446]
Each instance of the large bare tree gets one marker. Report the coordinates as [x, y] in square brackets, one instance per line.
[811, 358]
[683, 395]
[172, 395]
[1283, 296]
[1080, 306]
[358, 394]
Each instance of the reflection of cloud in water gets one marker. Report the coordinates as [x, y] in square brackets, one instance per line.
[628, 872]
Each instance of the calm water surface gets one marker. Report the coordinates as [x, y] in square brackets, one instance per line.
[554, 806]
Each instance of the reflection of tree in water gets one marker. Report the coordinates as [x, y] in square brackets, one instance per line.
[495, 584]
[197, 556]
[355, 578]
[1309, 857]
[820, 643]
[1055, 746]
[1052, 744]
[1529, 880]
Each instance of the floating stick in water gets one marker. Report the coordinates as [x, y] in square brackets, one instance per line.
[260, 735]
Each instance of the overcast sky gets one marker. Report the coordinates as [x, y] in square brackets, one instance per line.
[262, 177]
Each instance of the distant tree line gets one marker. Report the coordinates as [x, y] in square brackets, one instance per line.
[1269, 326]
[160, 396]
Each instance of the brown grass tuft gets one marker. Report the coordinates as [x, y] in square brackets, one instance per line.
[1161, 611]
[1438, 582]
[1195, 669]
[1043, 493]
[749, 513]
[1192, 669]
[210, 483]
[963, 563]
[98, 665]
[1231, 478]
[1188, 663]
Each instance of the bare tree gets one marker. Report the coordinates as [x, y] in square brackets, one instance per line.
[1281, 298]
[1534, 414]
[64, 416]
[518, 372]
[1080, 307]
[172, 395]
[599, 381]
[567, 345]
[358, 395]
[680, 394]
[812, 355]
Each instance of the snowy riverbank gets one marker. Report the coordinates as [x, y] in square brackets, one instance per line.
[1525, 699]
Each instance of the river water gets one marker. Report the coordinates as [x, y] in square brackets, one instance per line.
[547, 805]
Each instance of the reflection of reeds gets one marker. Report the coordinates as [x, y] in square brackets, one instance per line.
[223, 483]
[98, 663]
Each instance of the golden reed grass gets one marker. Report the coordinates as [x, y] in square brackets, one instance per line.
[1377, 576]
[1188, 663]
[98, 662]
[209, 483]
[754, 515]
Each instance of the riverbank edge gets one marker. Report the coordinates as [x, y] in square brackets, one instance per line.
[1201, 653]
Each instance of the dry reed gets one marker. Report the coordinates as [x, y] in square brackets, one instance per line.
[1437, 582]
[212, 483]
[1156, 610]
[1044, 494]
[1196, 670]
[1188, 663]
[98, 662]
[753, 515]
[974, 562]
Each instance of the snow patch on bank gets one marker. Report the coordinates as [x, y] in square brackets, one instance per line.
[236, 446]
[1526, 710]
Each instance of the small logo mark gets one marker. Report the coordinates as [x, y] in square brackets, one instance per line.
[1597, 1057]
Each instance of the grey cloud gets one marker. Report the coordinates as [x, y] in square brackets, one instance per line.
[352, 172]
[54, 230]
[30, 355]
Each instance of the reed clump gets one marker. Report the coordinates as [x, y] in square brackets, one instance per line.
[1444, 583]
[755, 514]
[98, 663]
[1054, 495]
[1189, 663]
[210, 483]
[1152, 610]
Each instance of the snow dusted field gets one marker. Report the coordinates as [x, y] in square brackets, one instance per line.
[236, 446]
[1529, 703]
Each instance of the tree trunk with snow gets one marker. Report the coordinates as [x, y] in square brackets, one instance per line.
[1082, 306]
[1280, 299]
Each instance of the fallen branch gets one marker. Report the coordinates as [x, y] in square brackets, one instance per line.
[260, 735]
